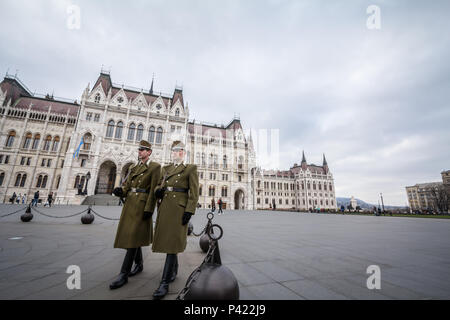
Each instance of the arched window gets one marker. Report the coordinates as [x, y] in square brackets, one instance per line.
[151, 134]
[77, 182]
[159, 133]
[140, 132]
[197, 158]
[97, 98]
[240, 162]
[39, 181]
[131, 131]
[87, 141]
[210, 161]
[110, 129]
[224, 192]
[83, 179]
[177, 112]
[37, 138]
[212, 191]
[27, 141]
[2, 177]
[18, 178]
[24, 179]
[216, 165]
[58, 180]
[44, 181]
[200, 190]
[119, 130]
[10, 140]
[55, 144]
[47, 143]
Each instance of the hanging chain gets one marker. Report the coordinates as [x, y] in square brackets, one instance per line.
[209, 256]
[9, 214]
[48, 215]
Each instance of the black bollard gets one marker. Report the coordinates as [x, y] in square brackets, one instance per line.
[87, 218]
[204, 243]
[27, 216]
[213, 281]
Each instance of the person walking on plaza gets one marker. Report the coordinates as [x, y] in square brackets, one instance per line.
[50, 199]
[213, 205]
[19, 197]
[177, 196]
[35, 199]
[220, 203]
[24, 198]
[135, 229]
[13, 198]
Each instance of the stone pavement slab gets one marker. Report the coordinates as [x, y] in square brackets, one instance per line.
[273, 255]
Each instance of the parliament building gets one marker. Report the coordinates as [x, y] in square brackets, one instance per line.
[67, 146]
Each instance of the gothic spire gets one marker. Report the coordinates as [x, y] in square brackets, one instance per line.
[324, 160]
[151, 87]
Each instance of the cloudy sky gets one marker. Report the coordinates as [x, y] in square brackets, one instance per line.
[375, 101]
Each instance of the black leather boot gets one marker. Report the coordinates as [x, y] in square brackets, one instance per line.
[125, 270]
[167, 274]
[174, 270]
[139, 263]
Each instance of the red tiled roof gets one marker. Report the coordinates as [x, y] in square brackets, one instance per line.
[13, 90]
[43, 105]
[105, 81]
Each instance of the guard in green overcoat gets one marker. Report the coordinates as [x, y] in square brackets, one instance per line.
[135, 228]
[177, 195]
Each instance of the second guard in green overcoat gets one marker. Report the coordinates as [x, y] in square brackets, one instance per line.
[178, 198]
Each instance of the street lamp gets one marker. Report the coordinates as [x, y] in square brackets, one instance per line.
[88, 176]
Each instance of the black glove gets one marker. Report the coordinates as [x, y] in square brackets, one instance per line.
[147, 215]
[118, 192]
[186, 217]
[159, 193]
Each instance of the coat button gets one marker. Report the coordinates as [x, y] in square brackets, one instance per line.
[178, 174]
[174, 196]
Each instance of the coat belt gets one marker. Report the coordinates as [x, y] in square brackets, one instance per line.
[177, 189]
[139, 190]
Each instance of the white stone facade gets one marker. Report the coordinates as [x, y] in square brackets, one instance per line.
[111, 120]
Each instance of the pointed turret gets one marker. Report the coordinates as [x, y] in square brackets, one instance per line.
[325, 164]
[151, 87]
[304, 164]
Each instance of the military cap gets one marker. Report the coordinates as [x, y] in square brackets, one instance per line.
[145, 144]
[177, 144]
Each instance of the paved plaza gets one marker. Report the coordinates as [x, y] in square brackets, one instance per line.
[274, 255]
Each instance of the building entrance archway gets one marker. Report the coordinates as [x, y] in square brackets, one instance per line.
[239, 200]
[106, 178]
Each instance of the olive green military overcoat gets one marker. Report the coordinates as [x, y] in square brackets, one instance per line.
[133, 231]
[170, 235]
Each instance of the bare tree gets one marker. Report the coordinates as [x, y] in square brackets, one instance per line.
[440, 196]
